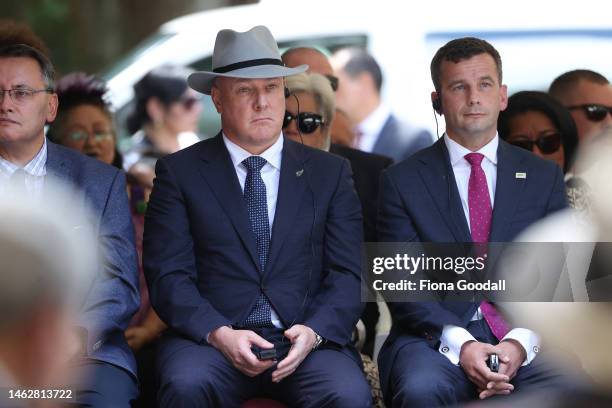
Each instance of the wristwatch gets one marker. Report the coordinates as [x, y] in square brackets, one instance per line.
[318, 341]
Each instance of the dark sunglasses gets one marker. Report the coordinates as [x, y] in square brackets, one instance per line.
[307, 122]
[547, 144]
[334, 81]
[593, 111]
[190, 102]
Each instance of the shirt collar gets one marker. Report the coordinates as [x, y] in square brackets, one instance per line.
[272, 154]
[457, 152]
[35, 167]
[374, 122]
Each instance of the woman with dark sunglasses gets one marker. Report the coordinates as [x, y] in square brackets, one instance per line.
[165, 116]
[537, 122]
[309, 110]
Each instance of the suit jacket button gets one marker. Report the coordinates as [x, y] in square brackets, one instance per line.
[445, 349]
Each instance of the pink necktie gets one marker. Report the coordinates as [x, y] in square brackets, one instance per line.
[479, 203]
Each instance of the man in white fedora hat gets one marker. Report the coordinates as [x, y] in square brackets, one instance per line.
[252, 250]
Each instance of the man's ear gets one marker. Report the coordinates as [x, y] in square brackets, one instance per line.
[215, 95]
[436, 102]
[503, 94]
[52, 107]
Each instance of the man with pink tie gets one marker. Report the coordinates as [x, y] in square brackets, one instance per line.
[464, 188]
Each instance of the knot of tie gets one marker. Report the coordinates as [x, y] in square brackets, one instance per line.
[474, 159]
[254, 163]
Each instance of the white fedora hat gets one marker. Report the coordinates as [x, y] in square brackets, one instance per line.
[252, 54]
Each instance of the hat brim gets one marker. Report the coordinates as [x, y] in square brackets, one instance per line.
[202, 81]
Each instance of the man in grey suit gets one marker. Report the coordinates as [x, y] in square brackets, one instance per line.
[378, 129]
[27, 102]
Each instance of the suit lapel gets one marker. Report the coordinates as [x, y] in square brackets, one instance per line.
[507, 191]
[439, 180]
[57, 165]
[219, 173]
[291, 188]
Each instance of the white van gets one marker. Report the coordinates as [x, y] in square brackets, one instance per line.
[537, 40]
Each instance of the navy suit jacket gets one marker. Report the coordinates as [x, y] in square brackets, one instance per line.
[399, 140]
[113, 297]
[200, 256]
[420, 202]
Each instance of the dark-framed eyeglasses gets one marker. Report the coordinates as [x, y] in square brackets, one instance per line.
[547, 144]
[593, 111]
[189, 102]
[307, 122]
[82, 135]
[334, 81]
[22, 95]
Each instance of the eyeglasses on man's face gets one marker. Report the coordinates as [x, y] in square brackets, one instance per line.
[593, 111]
[21, 96]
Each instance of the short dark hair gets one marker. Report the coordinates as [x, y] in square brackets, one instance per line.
[361, 61]
[461, 49]
[25, 51]
[168, 83]
[530, 101]
[568, 80]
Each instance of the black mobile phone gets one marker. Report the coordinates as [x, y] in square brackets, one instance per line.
[494, 363]
[264, 354]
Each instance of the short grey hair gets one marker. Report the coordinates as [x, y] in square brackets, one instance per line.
[320, 87]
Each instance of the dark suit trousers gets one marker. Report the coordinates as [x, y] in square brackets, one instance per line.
[423, 377]
[193, 375]
[105, 385]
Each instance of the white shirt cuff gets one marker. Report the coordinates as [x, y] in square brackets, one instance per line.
[451, 340]
[528, 339]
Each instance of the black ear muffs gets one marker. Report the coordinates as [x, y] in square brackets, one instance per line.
[437, 104]
[287, 93]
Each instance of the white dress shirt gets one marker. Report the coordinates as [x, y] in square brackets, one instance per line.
[453, 337]
[369, 129]
[270, 173]
[35, 171]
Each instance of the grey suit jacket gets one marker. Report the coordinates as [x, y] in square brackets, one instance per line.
[399, 140]
[113, 296]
